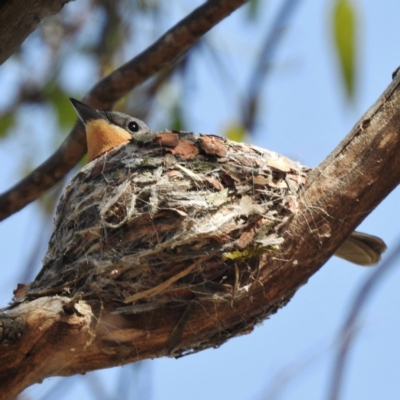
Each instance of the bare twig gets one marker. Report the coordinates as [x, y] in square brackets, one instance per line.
[163, 52]
[347, 333]
[263, 66]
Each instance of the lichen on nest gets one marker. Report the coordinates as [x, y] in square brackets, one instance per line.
[167, 218]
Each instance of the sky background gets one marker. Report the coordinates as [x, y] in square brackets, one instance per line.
[305, 115]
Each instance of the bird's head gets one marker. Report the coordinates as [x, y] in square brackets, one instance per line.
[107, 129]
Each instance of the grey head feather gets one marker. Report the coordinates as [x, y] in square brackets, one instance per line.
[139, 131]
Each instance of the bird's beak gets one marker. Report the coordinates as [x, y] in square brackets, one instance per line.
[85, 113]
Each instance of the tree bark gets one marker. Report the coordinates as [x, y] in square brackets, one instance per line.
[19, 19]
[47, 333]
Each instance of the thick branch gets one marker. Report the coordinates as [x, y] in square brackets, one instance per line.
[351, 182]
[47, 332]
[18, 21]
[167, 49]
[339, 194]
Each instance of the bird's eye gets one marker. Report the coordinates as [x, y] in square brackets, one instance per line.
[133, 126]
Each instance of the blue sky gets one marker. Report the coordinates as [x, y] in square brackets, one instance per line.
[305, 115]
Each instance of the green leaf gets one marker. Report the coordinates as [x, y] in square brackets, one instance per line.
[253, 7]
[60, 101]
[344, 25]
[6, 122]
[236, 133]
[177, 118]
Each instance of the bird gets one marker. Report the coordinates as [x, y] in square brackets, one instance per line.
[106, 130]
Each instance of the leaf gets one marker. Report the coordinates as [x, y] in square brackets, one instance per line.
[6, 122]
[236, 132]
[253, 8]
[344, 25]
[60, 101]
[177, 118]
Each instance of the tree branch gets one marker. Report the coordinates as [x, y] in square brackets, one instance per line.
[167, 49]
[264, 63]
[127, 304]
[349, 331]
[17, 22]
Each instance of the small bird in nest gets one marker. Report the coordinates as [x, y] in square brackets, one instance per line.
[106, 130]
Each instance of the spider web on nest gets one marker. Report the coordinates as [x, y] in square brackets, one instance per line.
[168, 219]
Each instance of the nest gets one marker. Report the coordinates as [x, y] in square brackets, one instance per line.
[167, 218]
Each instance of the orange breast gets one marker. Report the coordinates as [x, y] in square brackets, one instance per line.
[102, 136]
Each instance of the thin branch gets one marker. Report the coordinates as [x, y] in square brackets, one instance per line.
[347, 333]
[267, 53]
[162, 53]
